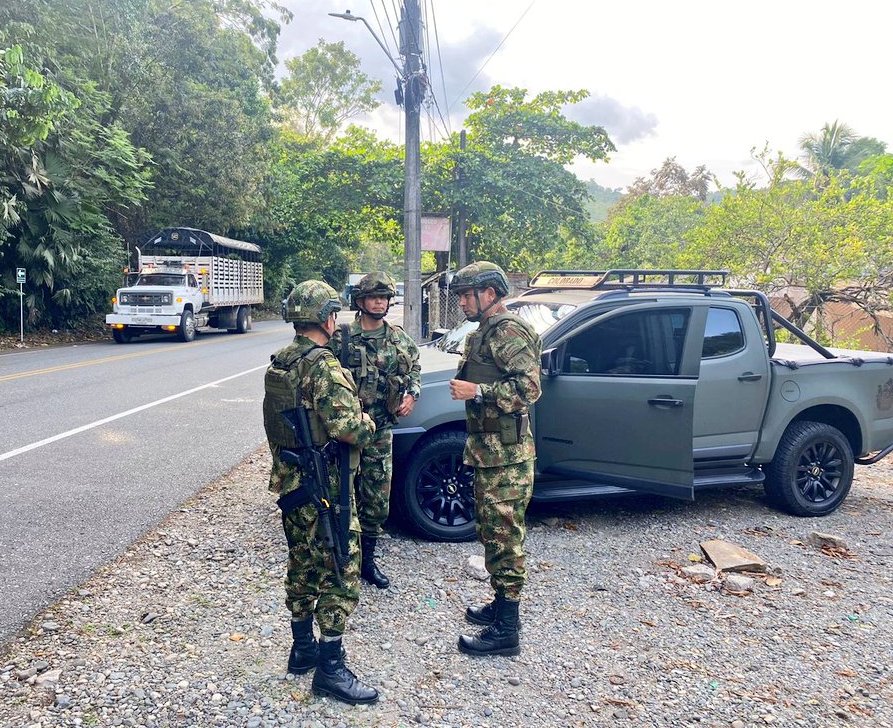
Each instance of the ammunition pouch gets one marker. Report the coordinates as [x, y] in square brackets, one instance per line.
[511, 427]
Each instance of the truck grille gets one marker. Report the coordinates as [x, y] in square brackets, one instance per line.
[146, 299]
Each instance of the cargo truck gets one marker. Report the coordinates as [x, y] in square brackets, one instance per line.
[187, 279]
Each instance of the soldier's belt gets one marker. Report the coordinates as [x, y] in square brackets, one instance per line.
[488, 424]
[511, 428]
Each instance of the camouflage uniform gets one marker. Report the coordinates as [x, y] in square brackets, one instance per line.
[503, 475]
[327, 390]
[384, 362]
[385, 366]
[503, 358]
[306, 373]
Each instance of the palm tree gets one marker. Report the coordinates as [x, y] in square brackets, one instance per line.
[826, 150]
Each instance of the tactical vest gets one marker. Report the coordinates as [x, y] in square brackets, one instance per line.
[373, 384]
[287, 368]
[479, 367]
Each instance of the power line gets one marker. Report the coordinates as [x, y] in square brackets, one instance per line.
[440, 63]
[390, 25]
[380, 28]
[492, 54]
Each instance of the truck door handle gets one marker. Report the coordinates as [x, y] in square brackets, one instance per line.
[750, 377]
[665, 402]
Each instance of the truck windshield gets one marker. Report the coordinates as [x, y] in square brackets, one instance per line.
[161, 279]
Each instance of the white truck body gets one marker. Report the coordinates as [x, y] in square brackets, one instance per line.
[189, 279]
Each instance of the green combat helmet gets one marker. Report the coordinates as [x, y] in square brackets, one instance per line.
[311, 302]
[374, 284]
[480, 275]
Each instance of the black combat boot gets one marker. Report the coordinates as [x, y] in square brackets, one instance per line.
[368, 568]
[304, 652]
[485, 614]
[333, 679]
[500, 638]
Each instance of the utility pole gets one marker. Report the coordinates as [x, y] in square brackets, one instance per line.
[415, 84]
[460, 223]
[414, 92]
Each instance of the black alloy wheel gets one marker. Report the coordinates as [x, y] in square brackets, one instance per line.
[438, 491]
[812, 471]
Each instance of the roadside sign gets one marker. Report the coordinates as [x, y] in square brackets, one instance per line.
[20, 275]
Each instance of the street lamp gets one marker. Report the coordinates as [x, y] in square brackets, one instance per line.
[347, 15]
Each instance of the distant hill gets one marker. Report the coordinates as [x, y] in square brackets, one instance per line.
[602, 200]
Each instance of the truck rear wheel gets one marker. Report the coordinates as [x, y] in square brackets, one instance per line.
[187, 326]
[243, 320]
[812, 471]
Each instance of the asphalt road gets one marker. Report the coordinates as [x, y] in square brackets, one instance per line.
[99, 441]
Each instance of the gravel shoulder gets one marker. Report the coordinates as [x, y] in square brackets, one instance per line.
[188, 627]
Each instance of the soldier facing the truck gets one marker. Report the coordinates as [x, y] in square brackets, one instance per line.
[384, 362]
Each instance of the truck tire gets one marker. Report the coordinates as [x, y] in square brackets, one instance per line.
[243, 320]
[812, 471]
[187, 326]
[437, 494]
[121, 337]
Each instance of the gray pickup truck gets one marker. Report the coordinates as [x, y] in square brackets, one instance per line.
[663, 382]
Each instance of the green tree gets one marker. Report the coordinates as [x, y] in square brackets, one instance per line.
[64, 172]
[810, 249]
[836, 146]
[324, 89]
[329, 206]
[524, 208]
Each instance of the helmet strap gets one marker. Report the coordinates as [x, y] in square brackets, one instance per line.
[481, 311]
[376, 316]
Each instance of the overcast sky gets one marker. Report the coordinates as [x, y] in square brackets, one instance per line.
[702, 81]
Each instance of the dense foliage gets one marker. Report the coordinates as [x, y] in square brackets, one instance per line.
[119, 117]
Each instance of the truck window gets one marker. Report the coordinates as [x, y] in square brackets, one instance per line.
[723, 334]
[642, 343]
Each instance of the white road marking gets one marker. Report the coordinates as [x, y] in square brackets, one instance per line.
[106, 420]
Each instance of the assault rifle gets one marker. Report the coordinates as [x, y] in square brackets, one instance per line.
[313, 462]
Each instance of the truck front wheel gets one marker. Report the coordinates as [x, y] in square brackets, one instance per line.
[121, 336]
[187, 326]
[812, 470]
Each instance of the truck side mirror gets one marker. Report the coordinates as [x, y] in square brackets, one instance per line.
[549, 362]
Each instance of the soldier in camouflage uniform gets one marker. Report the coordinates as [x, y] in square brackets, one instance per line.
[306, 373]
[384, 362]
[499, 378]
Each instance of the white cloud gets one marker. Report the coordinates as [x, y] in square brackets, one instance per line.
[700, 80]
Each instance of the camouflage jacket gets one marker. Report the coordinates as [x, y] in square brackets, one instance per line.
[385, 366]
[327, 390]
[503, 357]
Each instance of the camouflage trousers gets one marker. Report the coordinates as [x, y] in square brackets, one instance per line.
[501, 497]
[373, 484]
[310, 585]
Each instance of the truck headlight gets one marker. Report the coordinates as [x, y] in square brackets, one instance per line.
[124, 298]
[167, 299]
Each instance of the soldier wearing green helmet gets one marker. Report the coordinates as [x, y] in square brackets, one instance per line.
[499, 379]
[384, 362]
[305, 373]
